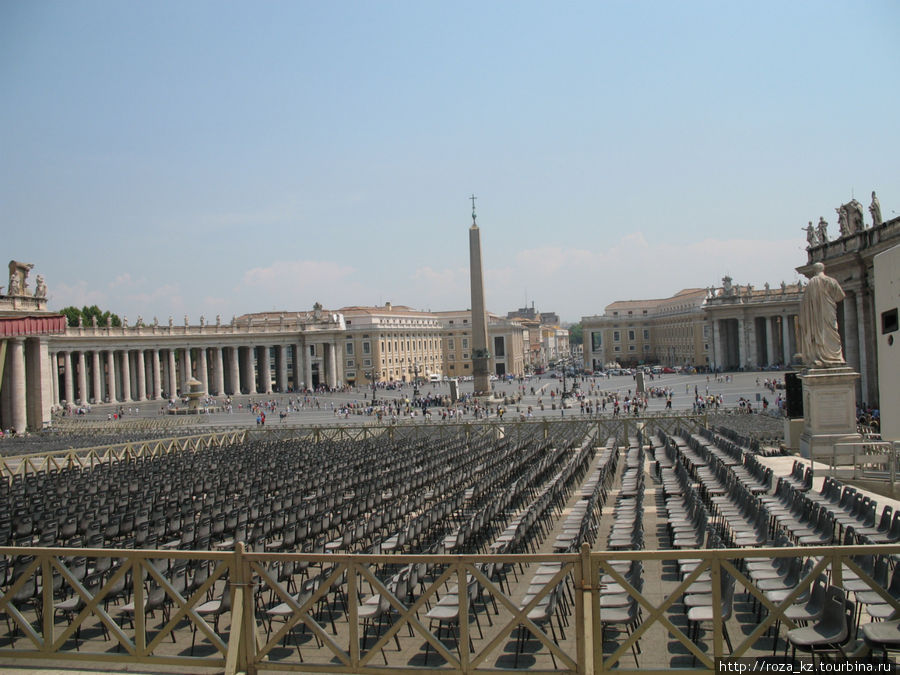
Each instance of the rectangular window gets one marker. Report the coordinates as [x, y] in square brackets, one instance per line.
[367, 362]
[616, 336]
[450, 344]
[617, 348]
[646, 348]
[349, 349]
[350, 363]
[465, 343]
[646, 334]
[596, 341]
[631, 335]
[631, 348]
[367, 348]
[499, 346]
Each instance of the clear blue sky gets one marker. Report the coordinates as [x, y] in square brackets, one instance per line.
[166, 158]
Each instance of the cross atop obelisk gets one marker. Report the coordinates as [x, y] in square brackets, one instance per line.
[481, 357]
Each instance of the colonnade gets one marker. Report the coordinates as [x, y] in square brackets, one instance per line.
[129, 373]
[754, 341]
[25, 392]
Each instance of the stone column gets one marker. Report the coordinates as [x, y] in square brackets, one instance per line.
[307, 366]
[234, 372]
[792, 334]
[54, 379]
[265, 370]
[717, 348]
[39, 369]
[752, 355]
[157, 376]
[188, 370]
[203, 369]
[249, 371]
[82, 378]
[95, 377]
[126, 375]
[741, 342]
[141, 375]
[68, 388]
[19, 414]
[861, 350]
[218, 371]
[111, 376]
[786, 339]
[339, 361]
[770, 340]
[282, 368]
[299, 373]
[173, 375]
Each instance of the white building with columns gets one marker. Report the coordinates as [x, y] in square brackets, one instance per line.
[26, 329]
[752, 328]
[254, 354]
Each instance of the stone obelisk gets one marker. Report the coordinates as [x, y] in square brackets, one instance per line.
[481, 357]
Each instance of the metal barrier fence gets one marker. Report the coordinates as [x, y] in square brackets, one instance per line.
[867, 460]
[105, 454]
[56, 611]
[619, 427]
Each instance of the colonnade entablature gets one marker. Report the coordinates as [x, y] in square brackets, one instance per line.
[752, 328]
[252, 355]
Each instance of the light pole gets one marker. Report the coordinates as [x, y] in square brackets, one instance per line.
[370, 374]
[565, 365]
[416, 379]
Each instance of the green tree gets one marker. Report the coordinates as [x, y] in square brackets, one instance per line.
[93, 311]
[87, 314]
[72, 315]
[576, 334]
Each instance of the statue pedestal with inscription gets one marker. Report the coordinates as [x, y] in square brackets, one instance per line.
[829, 408]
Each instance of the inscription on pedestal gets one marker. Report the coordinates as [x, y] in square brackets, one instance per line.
[833, 410]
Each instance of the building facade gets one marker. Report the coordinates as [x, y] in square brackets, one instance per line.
[724, 328]
[506, 344]
[390, 343]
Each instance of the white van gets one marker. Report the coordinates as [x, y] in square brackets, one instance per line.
[434, 377]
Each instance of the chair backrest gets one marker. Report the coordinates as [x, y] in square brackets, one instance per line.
[834, 618]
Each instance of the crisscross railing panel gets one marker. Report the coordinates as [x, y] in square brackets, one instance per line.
[332, 612]
[36, 616]
[826, 560]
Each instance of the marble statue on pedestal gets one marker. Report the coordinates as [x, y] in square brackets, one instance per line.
[843, 224]
[818, 320]
[855, 211]
[18, 277]
[822, 230]
[727, 289]
[875, 210]
[40, 288]
[812, 239]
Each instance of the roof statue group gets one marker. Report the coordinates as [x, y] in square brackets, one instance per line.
[850, 221]
[18, 281]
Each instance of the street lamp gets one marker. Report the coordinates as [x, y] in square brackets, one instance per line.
[370, 374]
[416, 379]
[565, 365]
